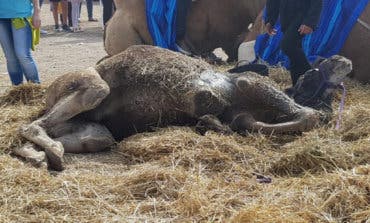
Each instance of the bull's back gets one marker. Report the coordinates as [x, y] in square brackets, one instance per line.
[149, 87]
[127, 27]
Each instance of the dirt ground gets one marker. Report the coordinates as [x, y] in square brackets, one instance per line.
[60, 52]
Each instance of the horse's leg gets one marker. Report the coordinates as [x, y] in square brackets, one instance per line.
[86, 89]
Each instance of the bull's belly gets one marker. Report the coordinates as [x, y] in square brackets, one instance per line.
[126, 123]
[127, 113]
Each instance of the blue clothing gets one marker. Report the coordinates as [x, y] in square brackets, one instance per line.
[337, 20]
[161, 19]
[16, 44]
[10, 9]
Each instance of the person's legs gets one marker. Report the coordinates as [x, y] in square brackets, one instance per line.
[22, 44]
[70, 14]
[89, 6]
[65, 15]
[107, 10]
[6, 41]
[55, 14]
[291, 45]
[75, 12]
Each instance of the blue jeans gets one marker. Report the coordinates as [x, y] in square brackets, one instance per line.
[16, 44]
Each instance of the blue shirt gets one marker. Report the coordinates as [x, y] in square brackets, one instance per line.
[10, 9]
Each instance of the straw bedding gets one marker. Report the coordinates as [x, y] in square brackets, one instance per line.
[175, 175]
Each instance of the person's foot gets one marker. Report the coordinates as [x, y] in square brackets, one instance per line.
[66, 28]
[92, 20]
[43, 32]
[77, 30]
[56, 28]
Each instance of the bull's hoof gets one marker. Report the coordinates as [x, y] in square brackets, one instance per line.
[211, 122]
[311, 120]
[54, 155]
[30, 154]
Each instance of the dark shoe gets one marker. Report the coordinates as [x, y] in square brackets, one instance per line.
[57, 28]
[92, 20]
[66, 28]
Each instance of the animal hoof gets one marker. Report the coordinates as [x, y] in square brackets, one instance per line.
[30, 154]
[312, 120]
[55, 156]
[28, 131]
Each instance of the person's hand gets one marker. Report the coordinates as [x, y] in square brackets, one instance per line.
[304, 30]
[270, 29]
[36, 20]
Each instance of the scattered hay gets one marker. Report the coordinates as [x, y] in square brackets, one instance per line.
[176, 175]
[25, 94]
[336, 197]
[19, 105]
[314, 153]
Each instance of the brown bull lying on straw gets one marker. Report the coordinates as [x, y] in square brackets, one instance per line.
[145, 87]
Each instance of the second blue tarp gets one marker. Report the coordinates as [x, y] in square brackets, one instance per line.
[337, 20]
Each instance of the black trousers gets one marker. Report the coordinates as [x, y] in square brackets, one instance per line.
[183, 7]
[108, 9]
[291, 45]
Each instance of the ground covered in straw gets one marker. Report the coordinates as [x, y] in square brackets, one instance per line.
[176, 175]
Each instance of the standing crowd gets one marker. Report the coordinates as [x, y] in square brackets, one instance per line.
[20, 24]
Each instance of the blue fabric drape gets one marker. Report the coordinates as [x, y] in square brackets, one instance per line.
[337, 20]
[161, 19]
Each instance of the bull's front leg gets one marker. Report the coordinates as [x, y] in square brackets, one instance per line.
[259, 91]
[211, 122]
[68, 96]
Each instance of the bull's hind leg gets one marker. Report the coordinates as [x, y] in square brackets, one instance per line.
[81, 137]
[68, 96]
[300, 118]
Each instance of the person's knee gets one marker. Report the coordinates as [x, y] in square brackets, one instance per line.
[23, 56]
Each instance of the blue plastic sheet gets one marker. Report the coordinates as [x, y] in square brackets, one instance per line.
[161, 19]
[337, 20]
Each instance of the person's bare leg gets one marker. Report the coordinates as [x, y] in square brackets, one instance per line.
[64, 12]
[55, 14]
